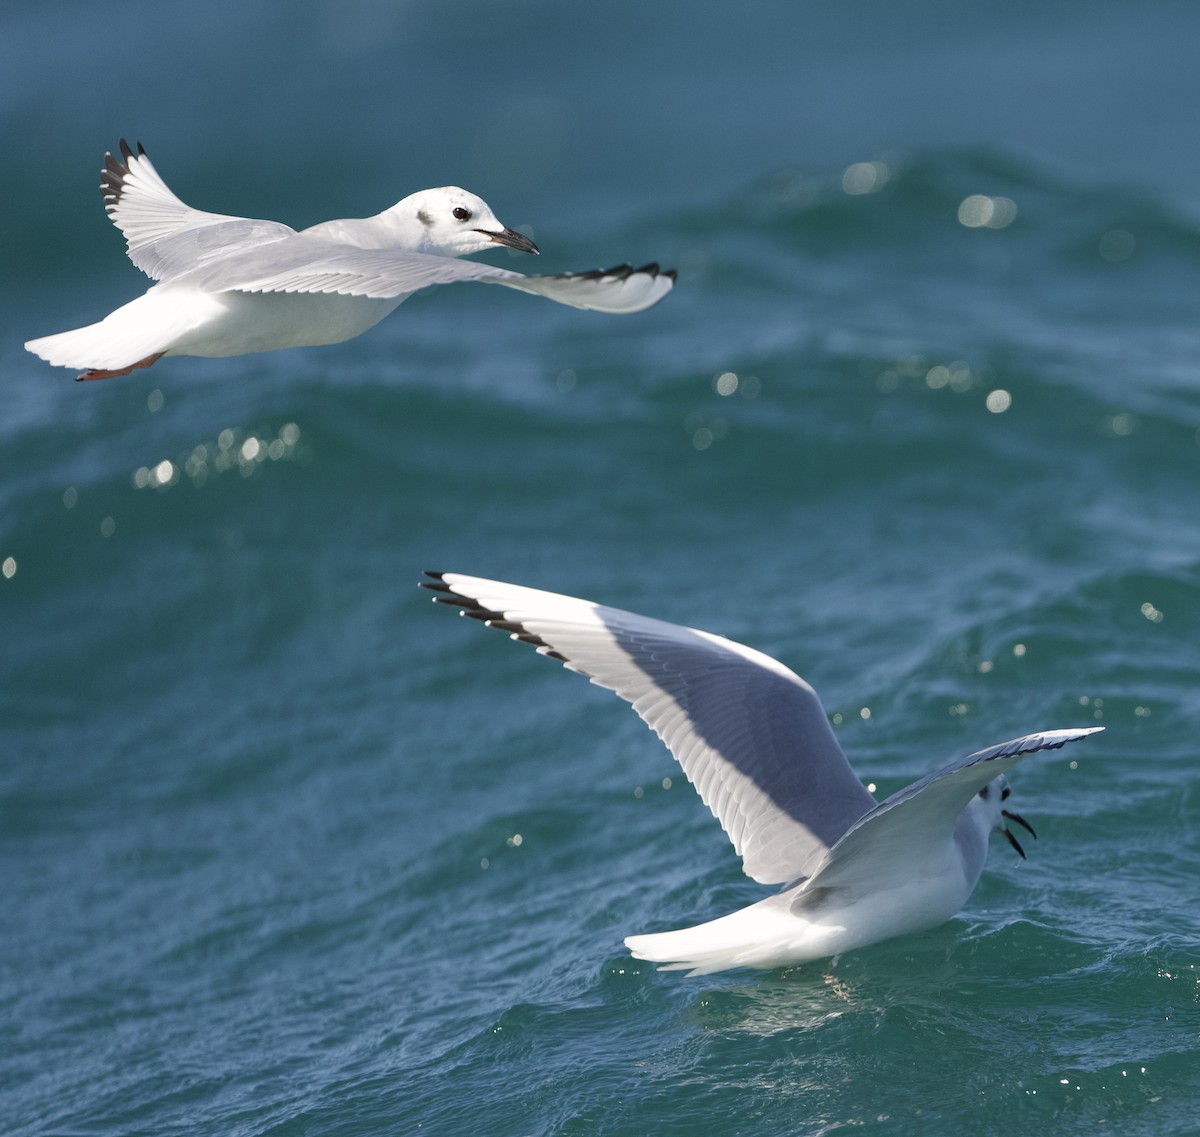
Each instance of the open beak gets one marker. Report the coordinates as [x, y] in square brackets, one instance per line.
[1008, 832]
[512, 239]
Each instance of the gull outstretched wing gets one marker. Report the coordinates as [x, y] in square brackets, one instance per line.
[918, 819]
[304, 262]
[164, 236]
[749, 734]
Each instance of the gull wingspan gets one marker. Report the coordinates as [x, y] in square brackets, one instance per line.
[305, 262]
[172, 242]
[164, 236]
[921, 817]
[750, 734]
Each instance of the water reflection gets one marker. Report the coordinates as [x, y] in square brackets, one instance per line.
[794, 1000]
[865, 177]
[979, 211]
[229, 450]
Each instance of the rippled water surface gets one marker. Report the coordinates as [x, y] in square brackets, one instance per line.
[289, 850]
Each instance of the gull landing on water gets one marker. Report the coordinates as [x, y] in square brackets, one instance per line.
[234, 285]
[753, 739]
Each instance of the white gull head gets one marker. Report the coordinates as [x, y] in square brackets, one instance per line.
[450, 222]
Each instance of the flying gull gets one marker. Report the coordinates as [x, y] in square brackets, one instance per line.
[752, 737]
[234, 285]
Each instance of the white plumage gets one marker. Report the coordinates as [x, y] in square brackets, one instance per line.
[233, 285]
[753, 739]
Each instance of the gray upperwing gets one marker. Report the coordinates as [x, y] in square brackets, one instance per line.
[180, 253]
[753, 739]
[749, 734]
[306, 262]
[920, 817]
[165, 237]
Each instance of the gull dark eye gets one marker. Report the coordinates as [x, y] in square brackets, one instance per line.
[1004, 793]
[461, 214]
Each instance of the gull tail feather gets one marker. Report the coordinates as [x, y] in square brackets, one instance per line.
[143, 327]
[763, 935]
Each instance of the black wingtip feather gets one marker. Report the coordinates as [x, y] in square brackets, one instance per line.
[471, 607]
[116, 170]
[619, 272]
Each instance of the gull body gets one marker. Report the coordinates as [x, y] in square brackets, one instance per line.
[234, 285]
[752, 737]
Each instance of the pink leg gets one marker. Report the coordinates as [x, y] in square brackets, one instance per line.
[98, 373]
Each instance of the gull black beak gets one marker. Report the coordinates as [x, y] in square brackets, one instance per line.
[1008, 832]
[512, 239]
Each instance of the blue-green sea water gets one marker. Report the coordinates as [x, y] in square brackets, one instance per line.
[286, 849]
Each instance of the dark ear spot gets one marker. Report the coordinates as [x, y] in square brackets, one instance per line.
[986, 792]
[424, 218]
